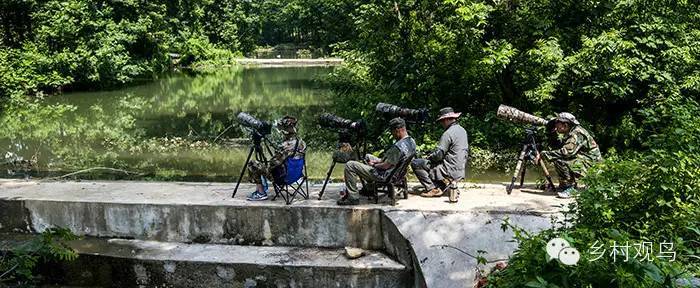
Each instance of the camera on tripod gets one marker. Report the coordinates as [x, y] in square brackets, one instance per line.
[349, 131]
[259, 129]
[530, 149]
[258, 126]
[351, 141]
[408, 114]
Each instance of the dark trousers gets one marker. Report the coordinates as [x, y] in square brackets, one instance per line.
[427, 176]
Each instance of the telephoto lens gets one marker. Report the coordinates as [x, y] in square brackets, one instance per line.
[335, 122]
[260, 126]
[517, 116]
[415, 115]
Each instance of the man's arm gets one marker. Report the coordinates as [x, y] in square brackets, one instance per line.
[391, 158]
[287, 149]
[567, 151]
[443, 146]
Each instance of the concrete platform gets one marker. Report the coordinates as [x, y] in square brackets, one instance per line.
[474, 197]
[124, 263]
[417, 233]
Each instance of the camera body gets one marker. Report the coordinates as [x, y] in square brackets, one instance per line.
[408, 114]
[260, 127]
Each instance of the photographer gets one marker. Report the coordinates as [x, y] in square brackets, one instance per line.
[291, 146]
[579, 152]
[378, 169]
[448, 161]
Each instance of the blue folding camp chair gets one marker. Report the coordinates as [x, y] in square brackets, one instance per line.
[294, 180]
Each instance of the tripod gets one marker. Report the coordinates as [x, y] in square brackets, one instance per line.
[360, 148]
[259, 141]
[529, 153]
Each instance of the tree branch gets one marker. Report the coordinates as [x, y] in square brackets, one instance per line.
[467, 253]
[93, 169]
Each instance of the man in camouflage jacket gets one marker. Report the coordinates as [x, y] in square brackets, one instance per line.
[291, 146]
[578, 153]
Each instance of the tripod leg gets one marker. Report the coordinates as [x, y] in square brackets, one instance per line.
[522, 175]
[518, 166]
[328, 177]
[247, 160]
[546, 175]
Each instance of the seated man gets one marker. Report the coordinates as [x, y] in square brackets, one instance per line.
[378, 169]
[578, 153]
[449, 159]
[291, 146]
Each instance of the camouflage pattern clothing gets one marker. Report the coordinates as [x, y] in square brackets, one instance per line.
[572, 160]
[285, 149]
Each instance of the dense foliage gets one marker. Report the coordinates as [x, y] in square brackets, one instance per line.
[647, 197]
[52, 45]
[629, 70]
[18, 266]
[80, 44]
[600, 60]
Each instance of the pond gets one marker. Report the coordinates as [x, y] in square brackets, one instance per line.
[179, 127]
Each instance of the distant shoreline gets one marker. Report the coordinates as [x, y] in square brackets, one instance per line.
[276, 62]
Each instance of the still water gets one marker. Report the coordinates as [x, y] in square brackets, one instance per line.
[179, 127]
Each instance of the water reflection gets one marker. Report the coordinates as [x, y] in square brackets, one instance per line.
[167, 128]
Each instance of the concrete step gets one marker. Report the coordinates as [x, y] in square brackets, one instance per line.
[130, 263]
[186, 212]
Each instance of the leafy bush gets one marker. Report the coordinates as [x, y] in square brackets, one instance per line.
[601, 60]
[650, 196]
[18, 266]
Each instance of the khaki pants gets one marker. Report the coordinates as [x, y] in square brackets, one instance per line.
[570, 170]
[428, 176]
[355, 169]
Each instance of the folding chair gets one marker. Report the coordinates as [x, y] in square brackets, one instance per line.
[397, 178]
[292, 184]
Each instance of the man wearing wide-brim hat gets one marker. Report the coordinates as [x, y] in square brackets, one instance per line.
[578, 153]
[448, 162]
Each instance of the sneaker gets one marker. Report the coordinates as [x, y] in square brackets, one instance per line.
[348, 201]
[566, 194]
[257, 196]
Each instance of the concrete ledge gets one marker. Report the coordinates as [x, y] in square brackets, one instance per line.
[126, 263]
[244, 225]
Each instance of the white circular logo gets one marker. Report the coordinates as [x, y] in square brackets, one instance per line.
[555, 245]
[569, 256]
